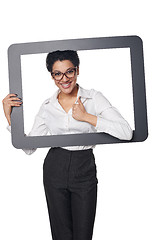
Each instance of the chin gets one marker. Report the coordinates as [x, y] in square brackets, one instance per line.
[66, 91]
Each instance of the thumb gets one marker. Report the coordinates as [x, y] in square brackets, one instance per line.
[79, 100]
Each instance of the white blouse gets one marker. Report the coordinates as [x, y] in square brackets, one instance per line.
[53, 120]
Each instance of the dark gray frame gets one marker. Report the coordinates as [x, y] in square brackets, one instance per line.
[19, 140]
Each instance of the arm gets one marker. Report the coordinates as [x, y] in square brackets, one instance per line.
[39, 128]
[79, 113]
[107, 118]
[8, 102]
[92, 119]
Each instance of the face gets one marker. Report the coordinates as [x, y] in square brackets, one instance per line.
[66, 85]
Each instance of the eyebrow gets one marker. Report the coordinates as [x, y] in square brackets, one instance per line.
[65, 71]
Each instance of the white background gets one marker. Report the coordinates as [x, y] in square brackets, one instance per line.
[106, 70]
[129, 181]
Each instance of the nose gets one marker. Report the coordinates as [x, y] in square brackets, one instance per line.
[64, 79]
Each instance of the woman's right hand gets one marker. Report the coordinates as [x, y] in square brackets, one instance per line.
[11, 100]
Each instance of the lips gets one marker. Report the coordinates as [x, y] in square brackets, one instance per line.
[66, 85]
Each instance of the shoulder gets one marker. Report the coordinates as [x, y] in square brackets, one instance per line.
[100, 100]
[88, 93]
[48, 100]
[44, 105]
[95, 94]
[51, 99]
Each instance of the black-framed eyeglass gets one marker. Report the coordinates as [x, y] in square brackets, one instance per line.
[70, 73]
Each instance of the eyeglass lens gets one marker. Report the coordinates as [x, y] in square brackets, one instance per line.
[70, 73]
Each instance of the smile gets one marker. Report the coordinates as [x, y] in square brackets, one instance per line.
[66, 85]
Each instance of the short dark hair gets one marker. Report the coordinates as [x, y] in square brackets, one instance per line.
[58, 55]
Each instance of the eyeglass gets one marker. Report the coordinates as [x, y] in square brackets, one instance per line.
[70, 73]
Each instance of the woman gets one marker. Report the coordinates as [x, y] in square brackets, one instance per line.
[69, 173]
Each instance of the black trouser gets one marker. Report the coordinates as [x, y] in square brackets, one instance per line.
[70, 184]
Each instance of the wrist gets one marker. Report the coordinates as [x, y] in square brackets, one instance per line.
[9, 122]
[86, 117]
[8, 117]
[92, 119]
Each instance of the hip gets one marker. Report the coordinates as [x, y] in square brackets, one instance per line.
[70, 167]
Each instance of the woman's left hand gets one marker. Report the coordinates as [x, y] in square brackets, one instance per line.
[78, 111]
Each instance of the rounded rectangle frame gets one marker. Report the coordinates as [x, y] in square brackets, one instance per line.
[19, 140]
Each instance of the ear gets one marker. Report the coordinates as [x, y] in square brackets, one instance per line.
[77, 71]
[52, 77]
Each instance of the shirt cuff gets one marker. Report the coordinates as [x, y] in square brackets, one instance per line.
[99, 126]
[27, 151]
[9, 128]
[119, 130]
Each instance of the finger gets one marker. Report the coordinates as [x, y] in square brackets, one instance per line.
[14, 99]
[73, 110]
[79, 100]
[14, 104]
[74, 106]
[74, 115]
[11, 95]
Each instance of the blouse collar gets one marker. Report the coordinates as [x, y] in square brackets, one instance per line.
[83, 93]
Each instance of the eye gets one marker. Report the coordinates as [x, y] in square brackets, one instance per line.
[70, 71]
[57, 73]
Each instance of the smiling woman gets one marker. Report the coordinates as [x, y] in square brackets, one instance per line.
[66, 81]
[108, 71]
[69, 173]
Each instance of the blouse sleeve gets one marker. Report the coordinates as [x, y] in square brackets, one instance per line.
[39, 128]
[109, 120]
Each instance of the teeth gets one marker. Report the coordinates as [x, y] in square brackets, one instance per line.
[66, 84]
